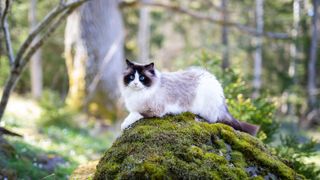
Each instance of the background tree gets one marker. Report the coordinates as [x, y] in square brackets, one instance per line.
[35, 62]
[312, 90]
[224, 36]
[30, 45]
[94, 56]
[258, 47]
[144, 34]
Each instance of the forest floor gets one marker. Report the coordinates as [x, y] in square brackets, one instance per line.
[55, 141]
[50, 150]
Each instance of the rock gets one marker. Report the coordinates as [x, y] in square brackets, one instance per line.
[178, 147]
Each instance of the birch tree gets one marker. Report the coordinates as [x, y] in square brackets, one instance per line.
[144, 34]
[258, 48]
[224, 36]
[35, 62]
[312, 89]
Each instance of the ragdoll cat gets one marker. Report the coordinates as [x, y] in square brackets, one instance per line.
[150, 93]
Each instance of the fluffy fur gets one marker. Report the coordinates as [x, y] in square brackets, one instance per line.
[157, 94]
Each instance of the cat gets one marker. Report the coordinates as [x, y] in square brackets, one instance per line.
[148, 92]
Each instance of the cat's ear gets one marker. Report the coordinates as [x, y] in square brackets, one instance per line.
[149, 66]
[129, 63]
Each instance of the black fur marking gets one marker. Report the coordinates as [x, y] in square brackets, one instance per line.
[127, 78]
[141, 70]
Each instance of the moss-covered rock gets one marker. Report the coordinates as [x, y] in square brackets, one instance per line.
[178, 147]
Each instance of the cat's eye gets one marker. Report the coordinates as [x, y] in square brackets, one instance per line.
[141, 78]
[131, 77]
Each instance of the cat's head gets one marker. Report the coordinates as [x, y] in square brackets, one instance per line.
[139, 76]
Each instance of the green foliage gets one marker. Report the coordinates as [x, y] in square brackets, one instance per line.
[258, 111]
[54, 112]
[295, 152]
[55, 137]
[178, 147]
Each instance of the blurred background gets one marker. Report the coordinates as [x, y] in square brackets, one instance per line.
[67, 104]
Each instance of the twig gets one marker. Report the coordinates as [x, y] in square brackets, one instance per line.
[4, 131]
[6, 32]
[210, 18]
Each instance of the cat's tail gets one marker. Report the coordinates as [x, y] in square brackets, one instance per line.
[249, 128]
[241, 126]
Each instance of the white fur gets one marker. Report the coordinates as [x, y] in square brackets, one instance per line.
[130, 119]
[209, 101]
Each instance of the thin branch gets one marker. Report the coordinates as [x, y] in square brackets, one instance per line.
[5, 11]
[6, 32]
[210, 18]
[43, 24]
[46, 35]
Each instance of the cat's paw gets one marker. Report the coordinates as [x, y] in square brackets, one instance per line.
[124, 125]
[130, 119]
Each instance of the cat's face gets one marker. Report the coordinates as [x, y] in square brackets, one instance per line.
[139, 77]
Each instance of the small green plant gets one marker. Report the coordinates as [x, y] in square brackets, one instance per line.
[294, 152]
[54, 112]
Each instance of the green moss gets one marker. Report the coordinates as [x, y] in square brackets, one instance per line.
[178, 147]
[237, 159]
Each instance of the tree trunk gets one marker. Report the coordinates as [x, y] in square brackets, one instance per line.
[224, 36]
[258, 48]
[35, 66]
[312, 90]
[94, 56]
[144, 35]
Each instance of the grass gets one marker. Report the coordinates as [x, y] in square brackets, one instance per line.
[49, 150]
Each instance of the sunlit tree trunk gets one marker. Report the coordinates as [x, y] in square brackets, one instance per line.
[294, 45]
[94, 56]
[144, 35]
[258, 48]
[313, 56]
[294, 52]
[224, 36]
[35, 65]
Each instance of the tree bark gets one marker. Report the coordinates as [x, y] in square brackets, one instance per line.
[258, 48]
[312, 90]
[35, 65]
[94, 56]
[224, 36]
[144, 35]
